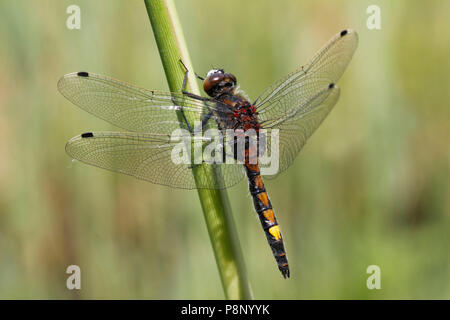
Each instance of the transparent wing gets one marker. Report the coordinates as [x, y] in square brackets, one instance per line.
[147, 157]
[128, 107]
[295, 131]
[298, 103]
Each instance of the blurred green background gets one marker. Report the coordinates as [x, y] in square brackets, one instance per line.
[371, 187]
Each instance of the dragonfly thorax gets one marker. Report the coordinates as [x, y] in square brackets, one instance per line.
[243, 115]
[218, 82]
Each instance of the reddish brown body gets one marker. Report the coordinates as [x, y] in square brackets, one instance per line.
[244, 116]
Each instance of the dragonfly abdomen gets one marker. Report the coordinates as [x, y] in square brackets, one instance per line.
[263, 208]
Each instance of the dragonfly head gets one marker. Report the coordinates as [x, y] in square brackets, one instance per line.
[218, 82]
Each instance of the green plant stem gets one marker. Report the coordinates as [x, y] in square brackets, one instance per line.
[215, 204]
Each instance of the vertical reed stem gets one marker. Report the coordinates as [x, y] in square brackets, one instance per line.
[215, 204]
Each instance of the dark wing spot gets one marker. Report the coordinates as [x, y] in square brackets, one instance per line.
[87, 135]
[343, 33]
[83, 74]
[331, 86]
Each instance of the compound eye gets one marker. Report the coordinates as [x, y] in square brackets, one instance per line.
[214, 71]
[232, 77]
[211, 81]
[217, 77]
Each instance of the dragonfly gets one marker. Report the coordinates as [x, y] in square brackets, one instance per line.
[294, 106]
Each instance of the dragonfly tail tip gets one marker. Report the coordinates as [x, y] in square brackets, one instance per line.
[285, 272]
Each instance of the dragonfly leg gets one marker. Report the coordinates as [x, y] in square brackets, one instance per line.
[183, 91]
[192, 95]
[183, 87]
[186, 121]
[205, 120]
[201, 78]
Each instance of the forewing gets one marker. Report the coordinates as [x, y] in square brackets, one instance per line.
[129, 107]
[298, 103]
[147, 157]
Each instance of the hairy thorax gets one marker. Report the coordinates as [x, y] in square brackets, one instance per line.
[243, 115]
